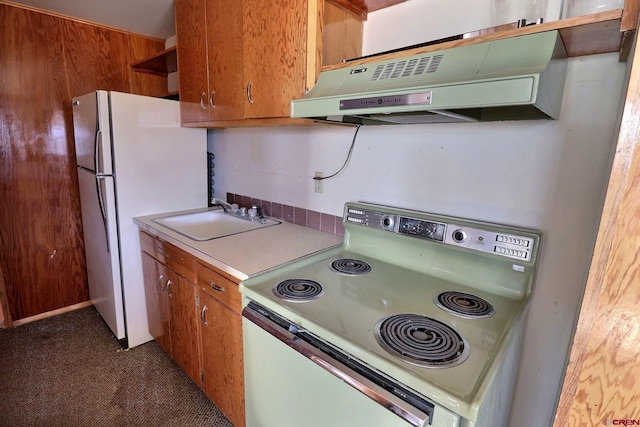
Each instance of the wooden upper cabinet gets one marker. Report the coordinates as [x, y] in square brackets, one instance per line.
[225, 46]
[244, 61]
[191, 35]
[275, 55]
[209, 35]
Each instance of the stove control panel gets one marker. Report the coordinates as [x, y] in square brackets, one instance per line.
[489, 240]
[373, 219]
[421, 228]
[507, 245]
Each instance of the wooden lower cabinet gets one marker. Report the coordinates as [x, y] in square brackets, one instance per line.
[198, 325]
[155, 282]
[222, 367]
[171, 313]
[183, 324]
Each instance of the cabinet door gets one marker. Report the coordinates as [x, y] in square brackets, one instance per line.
[192, 60]
[274, 55]
[184, 324]
[223, 379]
[155, 282]
[224, 46]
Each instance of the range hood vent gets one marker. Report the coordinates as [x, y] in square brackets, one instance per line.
[519, 78]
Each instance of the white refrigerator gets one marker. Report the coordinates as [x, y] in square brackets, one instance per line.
[133, 159]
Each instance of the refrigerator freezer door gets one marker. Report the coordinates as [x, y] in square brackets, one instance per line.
[92, 132]
[101, 248]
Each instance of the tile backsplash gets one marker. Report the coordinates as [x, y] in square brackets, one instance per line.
[295, 215]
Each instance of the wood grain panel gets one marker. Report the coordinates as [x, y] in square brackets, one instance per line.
[5, 314]
[222, 361]
[141, 47]
[342, 36]
[46, 60]
[361, 8]
[157, 302]
[583, 40]
[180, 261]
[224, 49]
[219, 286]
[275, 61]
[41, 246]
[184, 324]
[97, 58]
[630, 15]
[192, 59]
[149, 85]
[601, 382]
[315, 42]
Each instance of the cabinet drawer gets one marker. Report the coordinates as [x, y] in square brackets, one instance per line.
[148, 244]
[219, 287]
[173, 257]
[180, 261]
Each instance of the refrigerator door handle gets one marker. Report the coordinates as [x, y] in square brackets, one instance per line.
[103, 211]
[97, 150]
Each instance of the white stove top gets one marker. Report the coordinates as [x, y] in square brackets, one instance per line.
[346, 314]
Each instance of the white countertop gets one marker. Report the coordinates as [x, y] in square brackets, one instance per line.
[244, 255]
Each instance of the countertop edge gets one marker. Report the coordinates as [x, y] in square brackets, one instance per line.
[214, 251]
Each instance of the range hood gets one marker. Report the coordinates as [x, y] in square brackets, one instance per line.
[517, 78]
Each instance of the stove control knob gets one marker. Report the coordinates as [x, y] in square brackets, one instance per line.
[459, 236]
[387, 222]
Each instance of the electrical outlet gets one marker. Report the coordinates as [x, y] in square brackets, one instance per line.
[317, 183]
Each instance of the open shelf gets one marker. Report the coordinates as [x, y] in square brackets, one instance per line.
[583, 35]
[161, 64]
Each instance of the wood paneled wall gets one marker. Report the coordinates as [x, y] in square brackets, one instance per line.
[46, 60]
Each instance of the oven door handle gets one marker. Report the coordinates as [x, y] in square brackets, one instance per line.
[297, 339]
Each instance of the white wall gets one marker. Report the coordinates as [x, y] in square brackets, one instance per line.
[547, 175]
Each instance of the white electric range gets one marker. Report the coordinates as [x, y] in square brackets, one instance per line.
[415, 320]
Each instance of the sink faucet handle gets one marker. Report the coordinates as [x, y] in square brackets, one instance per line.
[252, 212]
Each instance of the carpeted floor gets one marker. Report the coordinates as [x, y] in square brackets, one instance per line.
[69, 370]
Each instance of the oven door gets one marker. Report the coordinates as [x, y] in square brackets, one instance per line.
[293, 379]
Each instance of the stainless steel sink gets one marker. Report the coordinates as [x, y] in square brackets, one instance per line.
[212, 224]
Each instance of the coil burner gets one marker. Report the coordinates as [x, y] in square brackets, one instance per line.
[298, 290]
[351, 267]
[464, 305]
[421, 341]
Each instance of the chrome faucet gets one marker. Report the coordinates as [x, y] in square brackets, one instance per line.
[225, 206]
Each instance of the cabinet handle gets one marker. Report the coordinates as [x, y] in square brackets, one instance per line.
[169, 283]
[213, 105]
[249, 86]
[203, 316]
[160, 289]
[216, 287]
[202, 97]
